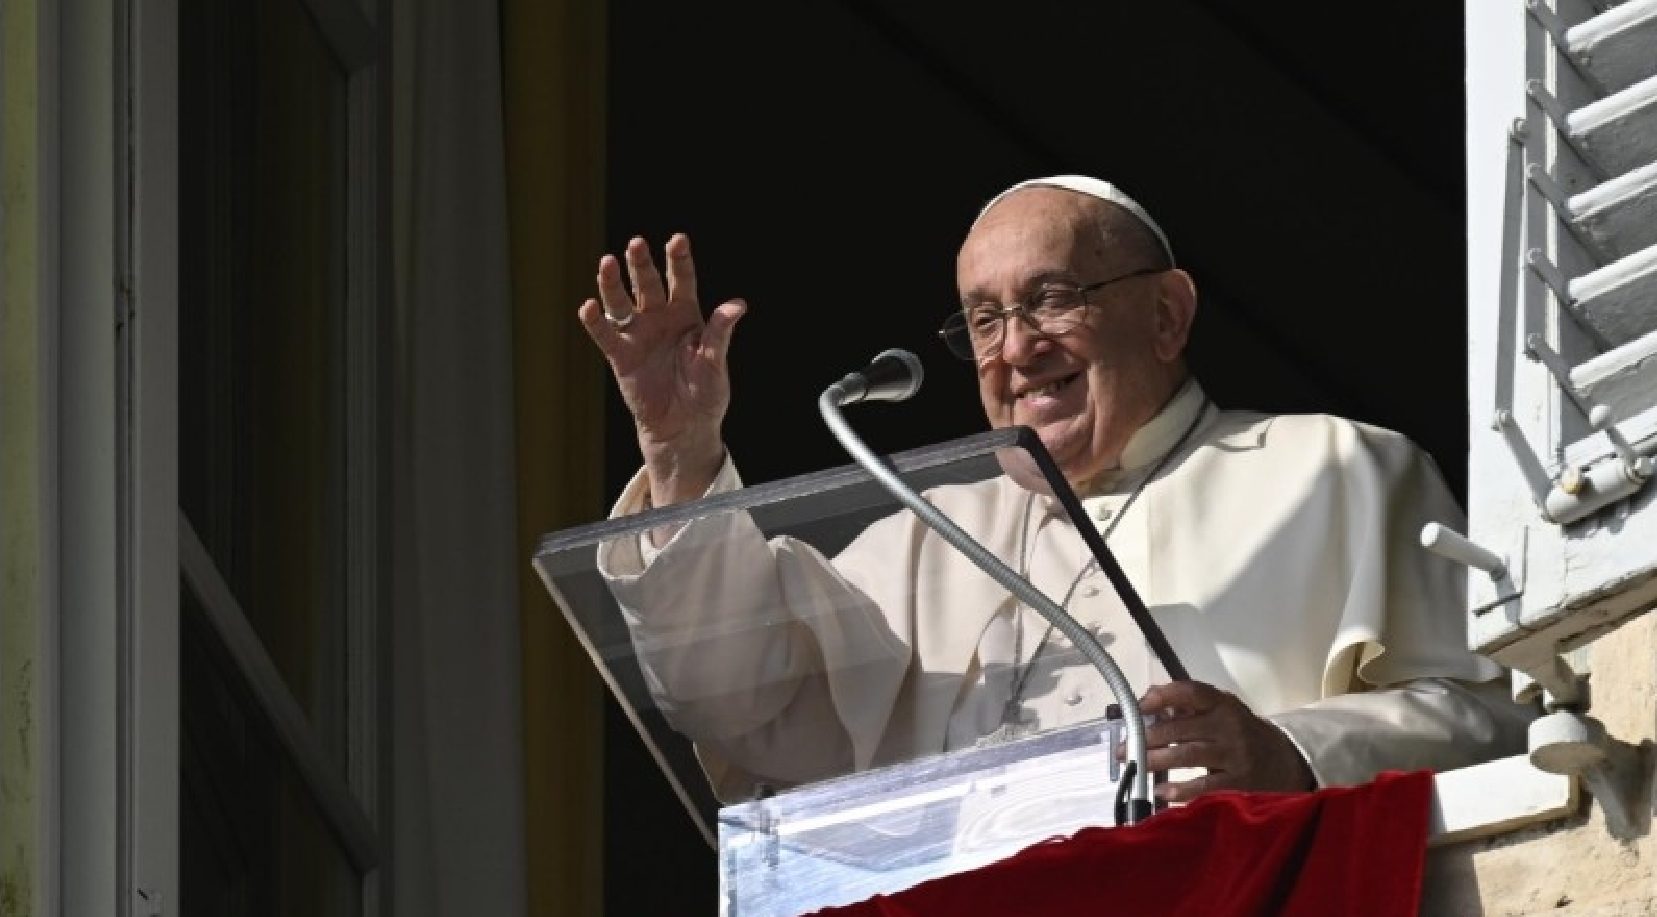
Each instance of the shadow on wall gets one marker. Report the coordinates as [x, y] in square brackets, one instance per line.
[1574, 867]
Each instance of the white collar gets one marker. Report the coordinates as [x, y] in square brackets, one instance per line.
[1151, 442]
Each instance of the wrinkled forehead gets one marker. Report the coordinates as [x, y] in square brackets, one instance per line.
[1036, 234]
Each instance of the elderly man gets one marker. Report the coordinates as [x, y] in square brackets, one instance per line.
[1277, 553]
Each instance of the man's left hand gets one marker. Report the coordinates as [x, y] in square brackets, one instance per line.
[1198, 725]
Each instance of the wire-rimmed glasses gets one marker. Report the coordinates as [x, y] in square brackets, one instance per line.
[977, 331]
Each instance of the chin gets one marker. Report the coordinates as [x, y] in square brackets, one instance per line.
[1066, 455]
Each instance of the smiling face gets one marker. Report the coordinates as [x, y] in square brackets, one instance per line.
[1087, 391]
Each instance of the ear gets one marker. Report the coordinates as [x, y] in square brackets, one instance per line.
[1176, 309]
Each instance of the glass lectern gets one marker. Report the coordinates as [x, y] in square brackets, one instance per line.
[826, 684]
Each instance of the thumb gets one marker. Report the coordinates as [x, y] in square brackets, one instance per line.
[716, 338]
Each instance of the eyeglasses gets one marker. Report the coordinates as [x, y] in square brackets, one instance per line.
[977, 332]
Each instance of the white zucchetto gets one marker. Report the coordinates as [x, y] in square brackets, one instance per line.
[1092, 187]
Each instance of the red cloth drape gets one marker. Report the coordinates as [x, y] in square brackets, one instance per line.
[1349, 851]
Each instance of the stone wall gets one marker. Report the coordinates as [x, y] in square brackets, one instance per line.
[1575, 867]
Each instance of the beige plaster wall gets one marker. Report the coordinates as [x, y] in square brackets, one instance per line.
[22, 464]
[1576, 867]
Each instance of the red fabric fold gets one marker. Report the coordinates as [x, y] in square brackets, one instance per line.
[1354, 851]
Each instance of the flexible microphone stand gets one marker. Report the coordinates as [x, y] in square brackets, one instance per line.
[858, 387]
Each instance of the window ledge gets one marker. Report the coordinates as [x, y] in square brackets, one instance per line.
[1495, 798]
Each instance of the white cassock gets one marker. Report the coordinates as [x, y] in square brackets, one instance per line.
[1277, 553]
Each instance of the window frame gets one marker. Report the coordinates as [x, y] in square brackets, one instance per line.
[132, 773]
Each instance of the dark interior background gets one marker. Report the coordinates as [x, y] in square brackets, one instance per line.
[826, 157]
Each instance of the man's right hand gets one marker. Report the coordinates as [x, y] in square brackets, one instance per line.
[668, 362]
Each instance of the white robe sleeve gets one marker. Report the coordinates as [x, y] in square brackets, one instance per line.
[1401, 689]
[730, 633]
[1434, 724]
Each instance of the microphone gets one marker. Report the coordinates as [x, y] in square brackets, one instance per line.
[893, 375]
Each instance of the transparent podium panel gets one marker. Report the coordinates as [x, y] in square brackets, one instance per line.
[844, 703]
[885, 830]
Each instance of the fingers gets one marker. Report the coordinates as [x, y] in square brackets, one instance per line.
[651, 312]
[612, 293]
[681, 272]
[1179, 710]
[1182, 698]
[599, 328]
[643, 290]
[1165, 732]
[648, 292]
[1210, 755]
[1200, 726]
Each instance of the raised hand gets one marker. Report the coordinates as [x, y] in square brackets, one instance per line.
[669, 363]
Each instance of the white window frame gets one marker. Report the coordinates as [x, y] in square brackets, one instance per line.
[147, 462]
[348, 801]
[115, 701]
[90, 40]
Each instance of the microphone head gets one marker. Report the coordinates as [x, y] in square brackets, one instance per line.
[893, 375]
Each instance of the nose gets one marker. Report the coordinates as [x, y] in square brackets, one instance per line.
[1019, 342]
